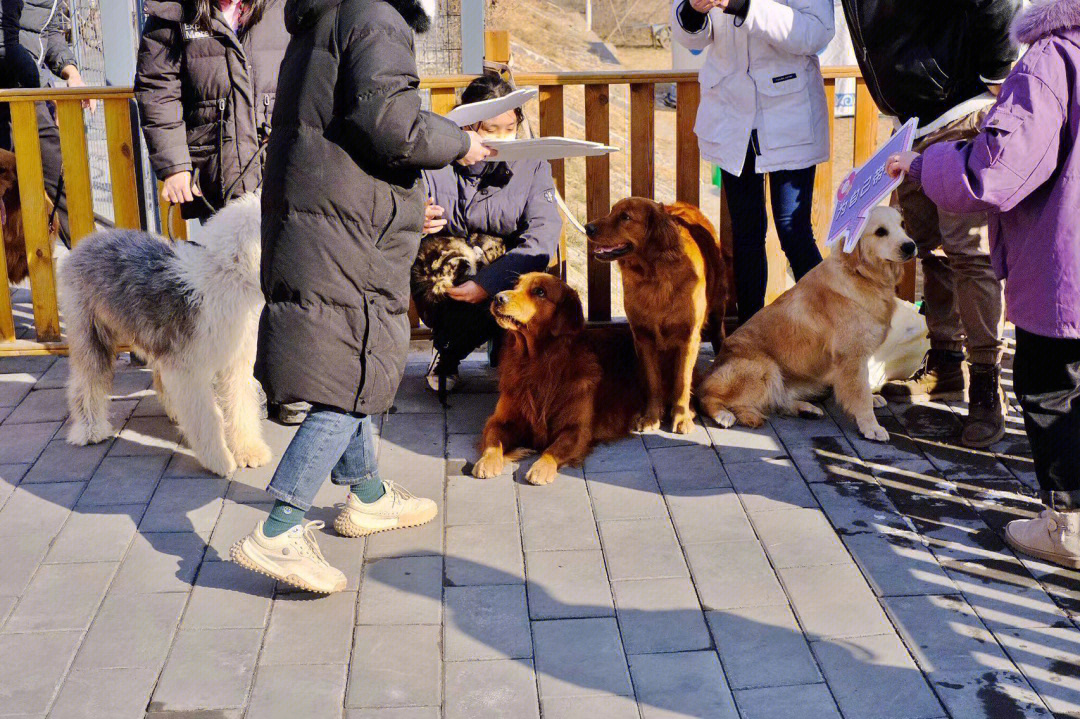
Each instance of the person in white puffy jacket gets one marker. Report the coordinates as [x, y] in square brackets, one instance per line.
[763, 111]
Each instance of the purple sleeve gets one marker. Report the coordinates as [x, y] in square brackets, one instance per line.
[1016, 152]
[915, 171]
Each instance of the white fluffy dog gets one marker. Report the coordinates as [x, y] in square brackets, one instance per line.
[192, 309]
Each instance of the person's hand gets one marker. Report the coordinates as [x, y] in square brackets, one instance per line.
[900, 163]
[704, 6]
[177, 188]
[994, 89]
[73, 77]
[468, 292]
[478, 151]
[433, 218]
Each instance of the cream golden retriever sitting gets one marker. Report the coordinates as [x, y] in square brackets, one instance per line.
[816, 336]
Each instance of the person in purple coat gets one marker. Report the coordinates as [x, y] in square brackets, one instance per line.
[1023, 169]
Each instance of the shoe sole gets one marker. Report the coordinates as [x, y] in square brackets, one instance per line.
[347, 528]
[1058, 559]
[238, 556]
[985, 444]
[957, 396]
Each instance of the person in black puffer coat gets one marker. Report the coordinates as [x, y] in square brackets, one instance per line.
[343, 207]
[511, 200]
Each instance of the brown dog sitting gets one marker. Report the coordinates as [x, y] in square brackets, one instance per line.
[675, 285]
[819, 335]
[18, 267]
[562, 389]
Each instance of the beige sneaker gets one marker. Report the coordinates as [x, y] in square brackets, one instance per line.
[397, 509]
[1053, 536]
[292, 557]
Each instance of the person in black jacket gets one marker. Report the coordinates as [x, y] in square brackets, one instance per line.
[343, 207]
[511, 200]
[942, 63]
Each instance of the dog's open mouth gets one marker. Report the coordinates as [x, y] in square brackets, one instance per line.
[614, 252]
[507, 321]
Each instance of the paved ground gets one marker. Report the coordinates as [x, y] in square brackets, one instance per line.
[795, 572]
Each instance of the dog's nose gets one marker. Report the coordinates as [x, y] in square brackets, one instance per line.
[501, 299]
[908, 248]
[590, 230]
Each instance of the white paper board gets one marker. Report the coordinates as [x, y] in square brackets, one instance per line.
[475, 112]
[547, 148]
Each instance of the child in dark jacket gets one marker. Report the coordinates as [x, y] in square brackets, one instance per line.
[511, 200]
[1021, 169]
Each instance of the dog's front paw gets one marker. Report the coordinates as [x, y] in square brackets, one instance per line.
[874, 431]
[82, 434]
[648, 422]
[491, 464]
[222, 466]
[808, 411]
[880, 401]
[543, 471]
[255, 454]
[724, 418]
[682, 420]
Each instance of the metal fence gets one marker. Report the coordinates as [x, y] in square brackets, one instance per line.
[438, 51]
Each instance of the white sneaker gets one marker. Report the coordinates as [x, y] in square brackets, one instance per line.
[1053, 536]
[397, 509]
[452, 381]
[292, 557]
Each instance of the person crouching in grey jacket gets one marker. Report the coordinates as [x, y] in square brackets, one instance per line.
[514, 201]
[343, 207]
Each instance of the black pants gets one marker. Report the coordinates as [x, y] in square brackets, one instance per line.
[1046, 377]
[460, 327]
[792, 194]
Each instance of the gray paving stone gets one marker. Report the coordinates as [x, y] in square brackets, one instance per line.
[855, 506]
[280, 694]
[124, 480]
[14, 386]
[709, 516]
[789, 702]
[762, 646]
[626, 495]
[803, 431]
[119, 412]
[159, 562]
[415, 445]
[896, 563]
[418, 541]
[689, 468]
[10, 476]
[184, 465]
[61, 596]
[944, 634]
[827, 459]
[491, 689]
[148, 406]
[6, 605]
[56, 376]
[98, 693]
[185, 505]
[558, 516]
[989, 693]
[96, 536]
[664, 437]
[660, 615]
[579, 657]
[38, 508]
[486, 623]
[1048, 657]
[1002, 592]
[568, 584]
[392, 668]
[132, 631]
[770, 485]
[741, 444]
[484, 554]
[873, 677]
[207, 669]
[32, 666]
[469, 412]
[33, 365]
[608, 707]
[62, 462]
[800, 538]
[394, 712]
[227, 596]
[405, 590]
[684, 684]
[21, 444]
[474, 501]
[900, 446]
[834, 601]
[235, 522]
[733, 574]
[641, 549]
[20, 559]
[142, 436]
[310, 629]
[624, 454]
[41, 405]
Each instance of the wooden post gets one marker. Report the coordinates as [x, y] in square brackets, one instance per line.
[823, 180]
[497, 46]
[7, 317]
[687, 159]
[642, 145]
[443, 99]
[598, 197]
[122, 163]
[35, 215]
[866, 123]
[80, 197]
[552, 124]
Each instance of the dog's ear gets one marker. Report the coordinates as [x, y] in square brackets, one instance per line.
[663, 235]
[569, 314]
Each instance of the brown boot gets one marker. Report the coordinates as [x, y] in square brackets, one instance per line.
[941, 378]
[985, 422]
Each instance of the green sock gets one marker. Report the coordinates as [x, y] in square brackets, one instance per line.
[368, 491]
[283, 517]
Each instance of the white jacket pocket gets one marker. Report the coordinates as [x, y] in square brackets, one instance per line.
[784, 100]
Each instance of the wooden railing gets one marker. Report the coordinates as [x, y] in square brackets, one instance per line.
[597, 89]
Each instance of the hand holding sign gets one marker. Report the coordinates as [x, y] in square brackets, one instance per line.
[866, 187]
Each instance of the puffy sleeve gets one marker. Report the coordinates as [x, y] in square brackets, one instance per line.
[158, 93]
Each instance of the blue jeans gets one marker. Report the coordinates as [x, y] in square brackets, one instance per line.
[329, 442]
[792, 194]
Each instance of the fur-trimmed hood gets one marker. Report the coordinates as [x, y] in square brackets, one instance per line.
[1044, 17]
[302, 13]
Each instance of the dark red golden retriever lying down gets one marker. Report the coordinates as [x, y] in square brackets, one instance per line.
[562, 389]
